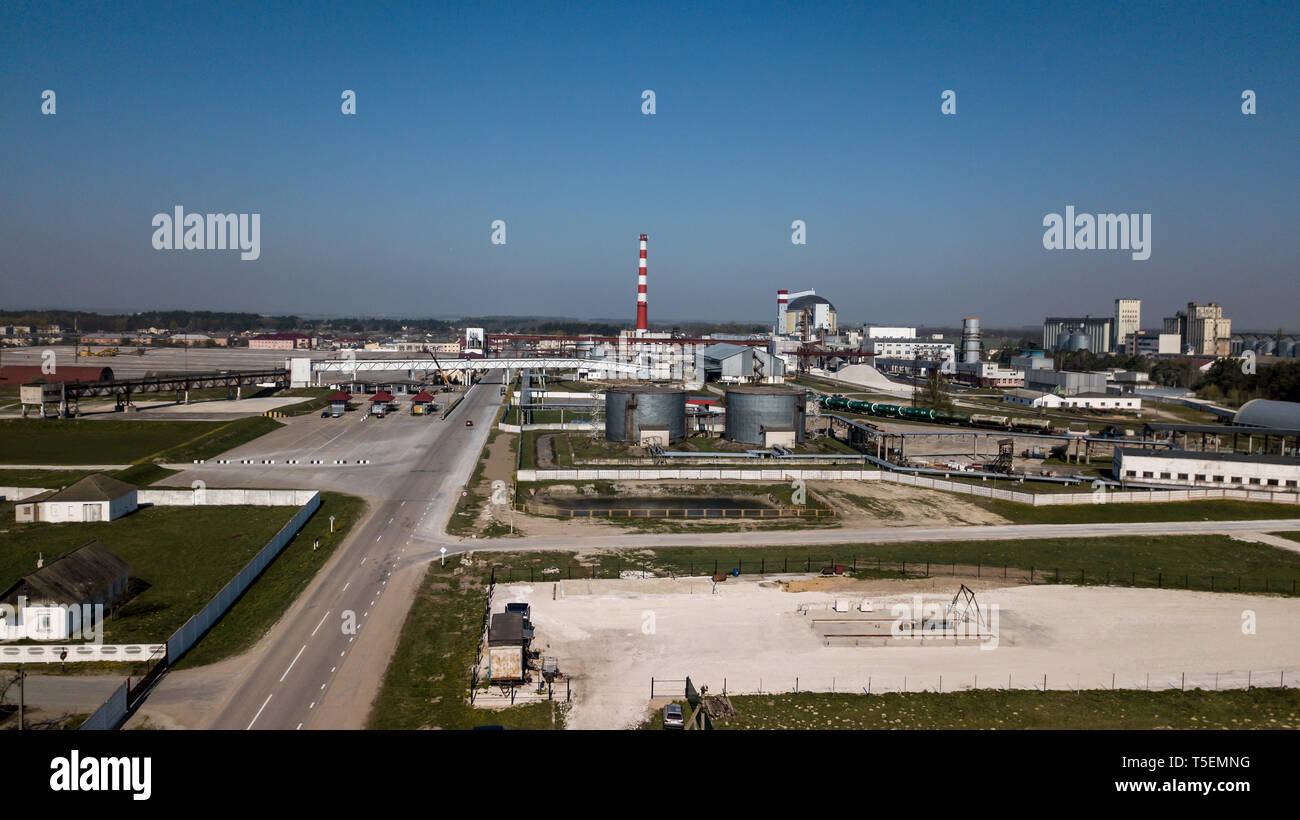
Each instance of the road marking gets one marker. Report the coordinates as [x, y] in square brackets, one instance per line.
[322, 620]
[292, 662]
[403, 504]
[390, 519]
[380, 538]
[345, 586]
[363, 560]
[313, 705]
[259, 712]
[299, 727]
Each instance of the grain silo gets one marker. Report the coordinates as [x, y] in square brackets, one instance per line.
[765, 415]
[638, 413]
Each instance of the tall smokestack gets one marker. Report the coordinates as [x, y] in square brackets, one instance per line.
[782, 297]
[640, 290]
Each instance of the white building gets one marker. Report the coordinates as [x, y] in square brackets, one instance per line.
[909, 347]
[1103, 401]
[1200, 469]
[1128, 319]
[66, 598]
[1032, 398]
[876, 332]
[93, 498]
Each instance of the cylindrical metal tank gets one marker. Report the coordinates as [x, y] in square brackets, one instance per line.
[630, 409]
[970, 339]
[751, 408]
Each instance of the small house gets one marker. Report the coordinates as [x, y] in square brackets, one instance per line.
[94, 498]
[58, 601]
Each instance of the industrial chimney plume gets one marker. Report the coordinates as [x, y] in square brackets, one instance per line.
[640, 290]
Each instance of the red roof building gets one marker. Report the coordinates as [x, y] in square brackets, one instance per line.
[422, 398]
[32, 373]
[339, 396]
[382, 395]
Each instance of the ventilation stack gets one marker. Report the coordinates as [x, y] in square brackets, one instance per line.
[782, 299]
[640, 291]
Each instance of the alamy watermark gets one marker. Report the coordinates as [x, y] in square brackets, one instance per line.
[1103, 232]
[208, 232]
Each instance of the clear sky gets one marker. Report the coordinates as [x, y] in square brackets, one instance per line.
[531, 113]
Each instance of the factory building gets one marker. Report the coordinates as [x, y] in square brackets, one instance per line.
[1268, 413]
[765, 415]
[644, 414]
[1103, 401]
[1201, 469]
[805, 315]
[1209, 333]
[1060, 333]
[1147, 343]
[1128, 320]
[738, 364]
[1032, 360]
[909, 347]
[1065, 382]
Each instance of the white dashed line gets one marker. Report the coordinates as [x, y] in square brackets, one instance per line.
[259, 712]
[322, 620]
[292, 662]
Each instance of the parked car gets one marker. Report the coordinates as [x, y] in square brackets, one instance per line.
[673, 718]
[469, 422]
[324, 414]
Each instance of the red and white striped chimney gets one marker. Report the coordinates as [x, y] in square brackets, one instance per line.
[640, 290]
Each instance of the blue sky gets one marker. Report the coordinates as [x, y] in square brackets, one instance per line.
[766, 113]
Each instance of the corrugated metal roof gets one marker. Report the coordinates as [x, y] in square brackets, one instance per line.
[87, 573]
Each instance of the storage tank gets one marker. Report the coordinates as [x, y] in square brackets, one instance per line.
[970, 339]
[750, 408]
[631, 408]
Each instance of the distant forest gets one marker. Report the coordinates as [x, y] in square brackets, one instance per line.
[204, 321]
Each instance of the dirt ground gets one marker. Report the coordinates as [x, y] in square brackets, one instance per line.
[862, 504]
[885, 504]
[613, 636]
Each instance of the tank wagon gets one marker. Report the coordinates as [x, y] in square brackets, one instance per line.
[896, 411]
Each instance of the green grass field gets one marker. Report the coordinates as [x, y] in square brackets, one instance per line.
[279, 584]
[1219, 510]
[81, 441]
[1259, 708]
[427, 682]
[185, 554]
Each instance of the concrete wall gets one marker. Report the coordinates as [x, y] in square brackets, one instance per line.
[81, 652]
[185, 637]
[19, 493]
[981, 490]
[225, 497]
[111, 714]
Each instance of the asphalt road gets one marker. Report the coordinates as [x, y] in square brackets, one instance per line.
[412, 489]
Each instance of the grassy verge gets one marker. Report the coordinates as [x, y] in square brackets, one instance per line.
[1259, 708]
[465, 514]
[280, 584]
[1199, 562]
[141, 475]
[1219, 510]
[426, 685]
[222, 437]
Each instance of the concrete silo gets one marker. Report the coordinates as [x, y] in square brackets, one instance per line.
[765, 414]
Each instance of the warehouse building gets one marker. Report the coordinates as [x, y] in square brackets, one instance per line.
[1200, 469]
[1065, 382]
[55, 602]
[1103, 401]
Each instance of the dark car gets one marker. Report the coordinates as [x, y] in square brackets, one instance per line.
[324, 414]
[469, 422]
